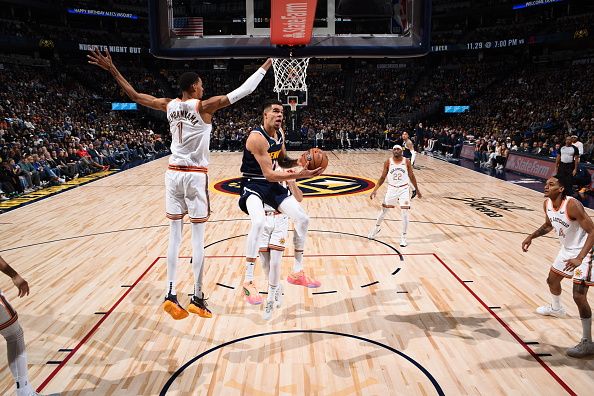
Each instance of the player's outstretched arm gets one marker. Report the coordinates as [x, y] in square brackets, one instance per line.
[381, 179]
[18, 281]
[542, 230]
[575, 210]
[218, 102]
[258, 146]
[105, 62]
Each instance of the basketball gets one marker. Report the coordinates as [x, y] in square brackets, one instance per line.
[315, 158]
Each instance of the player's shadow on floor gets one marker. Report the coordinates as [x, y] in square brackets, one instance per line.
[103, 345]
[125, 385]
[558, 359]
[447, 323]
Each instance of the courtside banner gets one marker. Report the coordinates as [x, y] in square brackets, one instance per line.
[291, 21]
[542, 168]
[467, 151]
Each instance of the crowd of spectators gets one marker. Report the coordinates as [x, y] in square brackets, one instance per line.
[54, 127]
[58, 124]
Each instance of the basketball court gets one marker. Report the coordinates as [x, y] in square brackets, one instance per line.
[452, 313]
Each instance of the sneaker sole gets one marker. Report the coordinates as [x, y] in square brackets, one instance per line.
[174, 311]
[249, 301]
[300, 284]
[200, 312]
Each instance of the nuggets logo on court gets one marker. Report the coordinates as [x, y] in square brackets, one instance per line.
[319, 186]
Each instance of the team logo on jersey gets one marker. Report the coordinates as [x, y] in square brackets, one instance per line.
[487, 205]
[319, 186]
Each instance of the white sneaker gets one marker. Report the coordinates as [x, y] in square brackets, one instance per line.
[583, 349]
[403, 242]
[374, 232]
[547, 310]
[268, 308]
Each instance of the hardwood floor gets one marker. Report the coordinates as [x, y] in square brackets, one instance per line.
[451, 313]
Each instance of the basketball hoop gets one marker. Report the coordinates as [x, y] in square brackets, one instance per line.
[290, 74]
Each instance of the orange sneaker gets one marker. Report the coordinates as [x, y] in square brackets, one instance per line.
[300, 279]
[172, 307]
[198, 306]
[251, 293]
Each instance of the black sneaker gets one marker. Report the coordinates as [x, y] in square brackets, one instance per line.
[198, 306]
[414, 194]
[173, 308]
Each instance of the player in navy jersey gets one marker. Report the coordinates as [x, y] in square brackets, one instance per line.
[264, 156]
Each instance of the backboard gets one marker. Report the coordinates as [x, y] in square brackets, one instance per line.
[195, 29]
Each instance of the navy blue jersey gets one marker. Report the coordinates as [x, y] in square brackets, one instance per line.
[250, 166]
[406, 153]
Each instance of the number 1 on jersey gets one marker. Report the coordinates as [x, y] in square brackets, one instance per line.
[179, 131]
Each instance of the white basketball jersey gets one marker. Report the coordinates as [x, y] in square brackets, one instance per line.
[190, 135]
[397, 173]
[571, 235]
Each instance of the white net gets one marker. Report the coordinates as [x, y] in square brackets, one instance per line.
[290, 74]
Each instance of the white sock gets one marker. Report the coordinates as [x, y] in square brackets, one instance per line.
[175, 238]
[249, 271]
[404, 222]
[271, 290]
[556, 301]
[276, 257]
[298, 263]
[381, 216]
[265, 257]
[17, 358]
[198, 256]
[587, 328]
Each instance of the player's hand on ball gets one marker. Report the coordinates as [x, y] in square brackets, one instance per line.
[309, 173]
[302, 161]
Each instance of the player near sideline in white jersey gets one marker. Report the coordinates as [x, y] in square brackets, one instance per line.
[399, 173]
[186, 180]
[12, 331]
[272, 246]
[575, 230]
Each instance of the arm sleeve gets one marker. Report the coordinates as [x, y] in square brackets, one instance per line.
[247, 87]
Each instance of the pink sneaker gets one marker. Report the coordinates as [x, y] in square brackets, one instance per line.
[251, 293]
[300, 279]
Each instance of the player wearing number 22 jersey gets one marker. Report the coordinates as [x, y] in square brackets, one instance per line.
[398, 173]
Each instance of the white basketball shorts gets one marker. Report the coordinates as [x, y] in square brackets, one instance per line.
[397, 195]
[186, 191]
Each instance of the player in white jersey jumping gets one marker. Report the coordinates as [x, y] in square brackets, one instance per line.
[12, 331]
[575, 230]
[186, 181]
[272, 246]
[399, 172]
